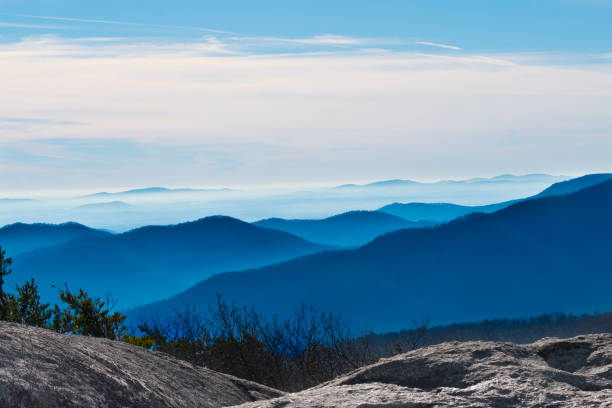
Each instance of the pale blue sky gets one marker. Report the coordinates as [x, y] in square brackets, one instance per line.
[133, 93]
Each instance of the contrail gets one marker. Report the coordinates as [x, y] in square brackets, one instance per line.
[94, 21]
[432, 44]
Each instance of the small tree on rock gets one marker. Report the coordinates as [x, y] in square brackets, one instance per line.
[5, 269]
[87, 316]
[26, 308]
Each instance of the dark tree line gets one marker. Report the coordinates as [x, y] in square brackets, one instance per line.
[519, 331]
[292, 354]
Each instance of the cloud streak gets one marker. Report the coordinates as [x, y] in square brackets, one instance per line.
[438, 45]
[228, 41]
[34, 26]
[326, 39]
[123, 23]
[53, 45]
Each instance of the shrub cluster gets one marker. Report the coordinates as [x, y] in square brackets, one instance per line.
[291, 354]
[80, 314]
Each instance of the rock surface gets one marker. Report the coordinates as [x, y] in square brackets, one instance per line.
[41, 368]
[549, 373]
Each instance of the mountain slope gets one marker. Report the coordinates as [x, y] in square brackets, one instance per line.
[439, 212]
[151, 263]
[353, 228]
[576, 184]
[442, 212]
[19, 237]
[540, 255]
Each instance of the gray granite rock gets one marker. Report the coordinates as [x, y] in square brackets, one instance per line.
[40, 368]
[549, 373]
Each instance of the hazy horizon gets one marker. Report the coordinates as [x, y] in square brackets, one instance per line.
[121, 210]
[26, 193]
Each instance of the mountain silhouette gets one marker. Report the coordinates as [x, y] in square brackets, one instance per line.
[576, 184]
[349, 229]
[357, 228]
[442, 212]
[539, 255]
[154, 190]
[19, 237]
[151, 263]
[439, 212]
[504, 178]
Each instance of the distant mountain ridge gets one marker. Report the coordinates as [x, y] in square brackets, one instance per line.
[354, 228]
[442, 212]
[573, 185]
[19, 237]
[150, 263]
[154, 190]
[497, 179]
[552, 253]
[357, 228]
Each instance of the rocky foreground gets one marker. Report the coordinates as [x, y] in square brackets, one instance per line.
[549, 373]
[40, 368]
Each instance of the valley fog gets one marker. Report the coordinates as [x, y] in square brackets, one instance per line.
[121, 211]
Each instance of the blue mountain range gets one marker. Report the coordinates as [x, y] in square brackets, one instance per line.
[18, 238]
[540, 255]
[349, 229]
[442, 212]
[152, 263]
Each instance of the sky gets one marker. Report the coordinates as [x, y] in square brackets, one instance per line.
[115, 94]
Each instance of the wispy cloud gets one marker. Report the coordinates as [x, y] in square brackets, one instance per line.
[307, 111]
[123, 23]
[331, 40]
[327, 39]
[34, 26]
[217, 41]
[208, 45]
[438, 45]
[322, 42]
[228, 41]
[49, 46]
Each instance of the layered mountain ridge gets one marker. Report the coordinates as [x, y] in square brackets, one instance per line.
[550, 252]
[150, 263]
